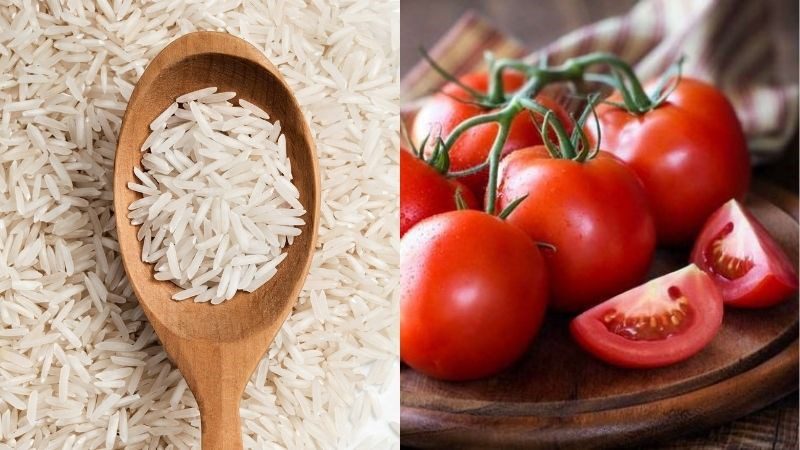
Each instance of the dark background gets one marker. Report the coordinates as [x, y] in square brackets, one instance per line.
[537, 22]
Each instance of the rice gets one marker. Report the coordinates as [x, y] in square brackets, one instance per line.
[214, 201]
[66, 71]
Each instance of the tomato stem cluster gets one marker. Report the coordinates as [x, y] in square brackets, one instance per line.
[505, 107]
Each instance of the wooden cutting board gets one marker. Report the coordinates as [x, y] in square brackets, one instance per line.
[558, 396]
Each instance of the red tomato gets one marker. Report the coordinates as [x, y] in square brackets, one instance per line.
[690, 153]
[473, 295]
[750, 268]
[661, 322]
[595, 213]
[425, 192]
[452, 106]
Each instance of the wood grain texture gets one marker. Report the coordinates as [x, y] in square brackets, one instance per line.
[560, 397]
[216, 347]
[662, 419]
[772, 428]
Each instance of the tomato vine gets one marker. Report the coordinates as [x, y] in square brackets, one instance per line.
[506, 107]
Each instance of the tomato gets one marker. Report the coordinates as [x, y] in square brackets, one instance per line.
[690, 153]
[661, 322]
[425, 192]
[750, 268]
[453, 105]
[596, 215]
[473, 295]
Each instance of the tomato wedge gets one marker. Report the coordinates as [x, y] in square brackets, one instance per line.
[659, 323]
[750, 268]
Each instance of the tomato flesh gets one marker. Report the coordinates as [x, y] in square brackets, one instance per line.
[643, 322]
[473, 295]
[661, 322]
[750, 268]
[725, 256]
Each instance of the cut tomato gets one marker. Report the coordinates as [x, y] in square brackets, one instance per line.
[750, 268]
[659, 323]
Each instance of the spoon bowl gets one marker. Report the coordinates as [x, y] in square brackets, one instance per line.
[216, 347]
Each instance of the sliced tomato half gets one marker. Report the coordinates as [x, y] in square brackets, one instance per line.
[659, 323]
[750, 268]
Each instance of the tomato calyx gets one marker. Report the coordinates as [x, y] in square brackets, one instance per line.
[546, 247]
[439, 159]
[576, 146]
[511, 207]
[461, 204]
[631, 100]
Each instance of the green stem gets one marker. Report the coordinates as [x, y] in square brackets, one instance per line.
[447, 75]
[494, 160]
[466, 172]
[561, 133]
[639, 95]
[496, 93]
[573, 69]
[471, 122]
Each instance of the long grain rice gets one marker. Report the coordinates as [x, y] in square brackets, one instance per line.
[67, 68]
[201, 216]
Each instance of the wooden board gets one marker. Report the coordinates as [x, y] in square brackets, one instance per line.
[557, 396]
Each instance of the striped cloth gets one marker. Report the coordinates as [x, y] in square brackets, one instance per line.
[726, 42]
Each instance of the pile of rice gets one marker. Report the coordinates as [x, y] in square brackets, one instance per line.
[218, 203]
[80, 366]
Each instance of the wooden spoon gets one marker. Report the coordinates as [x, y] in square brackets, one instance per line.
[216, 347]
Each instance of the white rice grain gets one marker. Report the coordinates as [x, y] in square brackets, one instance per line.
[253, 109]
[67, 70]
[200, 218]
[195, 95]
[31, 411]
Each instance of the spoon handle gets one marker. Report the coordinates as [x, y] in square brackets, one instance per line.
[220, 424]
[216, 374]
